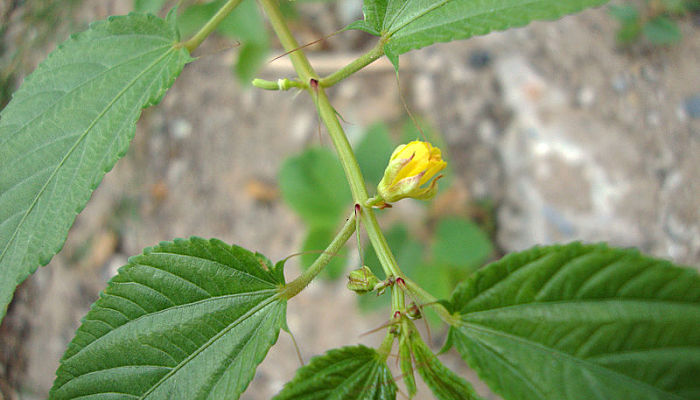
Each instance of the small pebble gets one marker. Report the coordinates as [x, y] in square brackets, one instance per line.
[653, 118]
[620, 83]
[649, 74]
[479, 59]
[180, 128]
[585, 97]
[692, 106]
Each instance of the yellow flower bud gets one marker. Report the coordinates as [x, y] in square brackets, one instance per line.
[410, 167]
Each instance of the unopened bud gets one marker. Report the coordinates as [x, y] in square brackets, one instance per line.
[362, 280]
[411, 166]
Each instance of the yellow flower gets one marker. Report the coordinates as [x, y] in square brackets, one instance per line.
[410, 167]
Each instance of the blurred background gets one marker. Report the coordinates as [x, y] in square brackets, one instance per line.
[587, 128]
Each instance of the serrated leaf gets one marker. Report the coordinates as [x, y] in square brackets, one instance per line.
[68, 124]
[582, 322]
[445, 384]
[313, 184]
[316, 240]
[412, 24]
[348, 373]
[189, 319]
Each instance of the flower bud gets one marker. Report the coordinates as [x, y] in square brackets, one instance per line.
[410, 167]
[362, 280]
[413, 311]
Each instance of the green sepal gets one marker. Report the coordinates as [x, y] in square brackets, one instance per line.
[445, 384]
[448, 343]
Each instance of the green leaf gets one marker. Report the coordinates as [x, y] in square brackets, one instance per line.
[445, 384]
[68, 124]
[250, 58]
[189, 319]
[628, 32]
[461, 243]
[373, 152]
[317, 239]
[662, 31]
[676, 7]
[625, 13]
[245, 23]
[148, 6]
[348, 373]
[412, 24]
[314, 185]
[582, 322]
[435, 278]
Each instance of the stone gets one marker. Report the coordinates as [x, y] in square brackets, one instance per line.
[692, 106]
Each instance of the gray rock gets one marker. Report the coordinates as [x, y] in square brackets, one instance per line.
[692, 106]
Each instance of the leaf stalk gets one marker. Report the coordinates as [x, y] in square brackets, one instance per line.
[427, 298]
[211, 25]
[294, 287]
[364, 60]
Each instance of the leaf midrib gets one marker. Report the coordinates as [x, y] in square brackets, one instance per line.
[211, 341]
[429, 9]
[209, 261]
[170, 309]
[461, 17]
[559, 354]
[577, 302]
[80, 139]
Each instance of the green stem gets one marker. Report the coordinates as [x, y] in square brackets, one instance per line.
[364, 60]
[299, 61]
[335, 130]
[280, 84]
[398, 301]
[211, 25]
[294, 287]
[340, 141]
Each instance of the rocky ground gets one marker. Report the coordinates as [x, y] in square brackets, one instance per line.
[570, 136]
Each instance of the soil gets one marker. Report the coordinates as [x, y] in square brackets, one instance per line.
[569, 135]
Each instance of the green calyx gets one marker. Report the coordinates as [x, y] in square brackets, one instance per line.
[362, 280]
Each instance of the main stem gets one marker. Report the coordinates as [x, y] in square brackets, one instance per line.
[330, 119]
